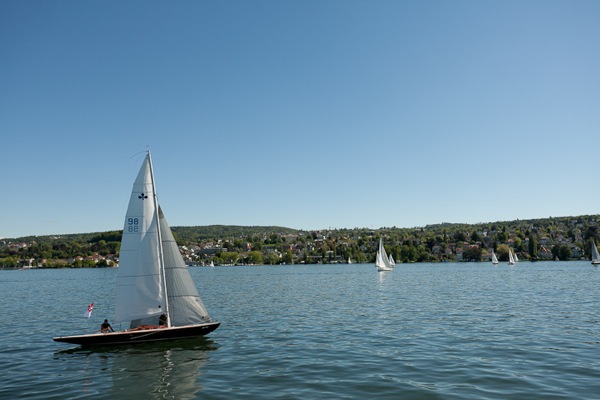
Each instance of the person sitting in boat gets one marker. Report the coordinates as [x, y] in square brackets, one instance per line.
[162, 320]
[105, 327]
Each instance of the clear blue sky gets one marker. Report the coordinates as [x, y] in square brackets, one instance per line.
[304, 114]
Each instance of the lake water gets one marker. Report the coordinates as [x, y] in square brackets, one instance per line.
[422, 331]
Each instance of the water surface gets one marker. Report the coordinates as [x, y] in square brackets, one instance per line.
[422, 331]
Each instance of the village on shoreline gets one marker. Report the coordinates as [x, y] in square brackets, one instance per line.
[562, 238]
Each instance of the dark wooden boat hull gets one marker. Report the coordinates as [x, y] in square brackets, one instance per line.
[140, 336]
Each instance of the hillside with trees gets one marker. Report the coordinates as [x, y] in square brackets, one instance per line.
[563, 238]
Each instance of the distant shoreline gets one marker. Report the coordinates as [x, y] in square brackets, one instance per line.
[565, 238]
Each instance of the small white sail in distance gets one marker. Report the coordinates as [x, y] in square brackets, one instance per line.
[511, 257]
[595, 254]
[382, 262]
[494, 258]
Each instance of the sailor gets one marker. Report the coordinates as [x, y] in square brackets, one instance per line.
[162, 320]
[105, 327]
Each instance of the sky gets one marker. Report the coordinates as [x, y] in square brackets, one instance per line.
[303, 114]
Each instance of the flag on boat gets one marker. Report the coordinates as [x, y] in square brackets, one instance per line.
[88, 313]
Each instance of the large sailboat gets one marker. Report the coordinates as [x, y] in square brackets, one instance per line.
[382, 262]
[155, 293]
[595, 255]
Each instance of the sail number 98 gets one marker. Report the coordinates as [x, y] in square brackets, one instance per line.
[133, 225]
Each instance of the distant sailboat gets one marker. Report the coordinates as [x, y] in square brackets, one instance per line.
[511, 257]
[494, 258]
[382, 262]
[349, 260]
[595, 254]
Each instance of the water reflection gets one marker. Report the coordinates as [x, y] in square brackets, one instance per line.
[169, 370]
[382, 277]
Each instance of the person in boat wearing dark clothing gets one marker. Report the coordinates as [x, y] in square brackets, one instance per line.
[162, 320]
[105, 327]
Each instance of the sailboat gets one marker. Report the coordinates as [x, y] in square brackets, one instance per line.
[349, 260]
[155, 293]
[382, 262]
[511, 257]
[494, 258]
[595, 255]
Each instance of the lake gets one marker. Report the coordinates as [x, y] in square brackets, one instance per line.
[422, 331]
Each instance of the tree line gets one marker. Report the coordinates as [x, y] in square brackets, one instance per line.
[276, 245]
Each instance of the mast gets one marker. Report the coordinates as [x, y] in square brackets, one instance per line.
[161, 256]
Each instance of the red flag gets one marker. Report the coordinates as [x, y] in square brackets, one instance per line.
[89, 310]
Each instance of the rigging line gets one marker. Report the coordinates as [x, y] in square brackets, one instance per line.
[139, 152]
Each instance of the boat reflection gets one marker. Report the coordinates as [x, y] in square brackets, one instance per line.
[150, 371]
[382, 277]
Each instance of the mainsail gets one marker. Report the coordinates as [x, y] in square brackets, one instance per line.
[140, 292]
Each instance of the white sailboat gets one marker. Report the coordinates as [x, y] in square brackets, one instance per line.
[595, 254]
[349, 260]
[511, 257]
[155, 293]
[494, 258]
[382, 262]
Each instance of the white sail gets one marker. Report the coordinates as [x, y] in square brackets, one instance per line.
[140, 291]
[392, 262]
[185, 304]
[382, 262]
[494, 258]
[511, 257]
[595, 254]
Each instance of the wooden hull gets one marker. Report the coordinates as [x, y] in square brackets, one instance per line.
[140, 335]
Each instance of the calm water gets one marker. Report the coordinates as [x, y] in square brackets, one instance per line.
[423, 331]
